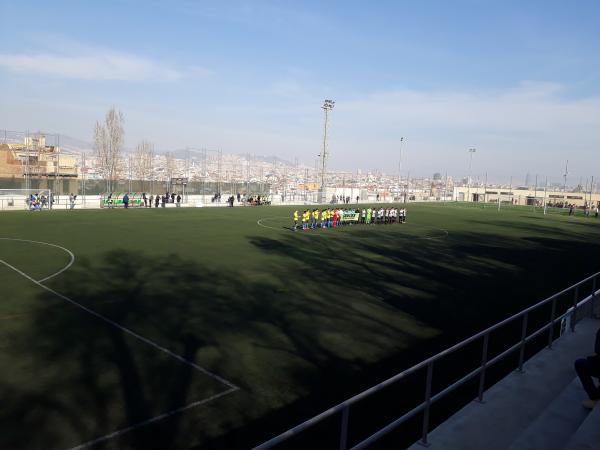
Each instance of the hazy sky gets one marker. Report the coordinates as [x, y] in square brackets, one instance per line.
[517, 80]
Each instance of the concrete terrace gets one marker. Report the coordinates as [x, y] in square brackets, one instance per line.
[539, 408]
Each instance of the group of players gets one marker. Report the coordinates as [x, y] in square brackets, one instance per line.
[333, 217]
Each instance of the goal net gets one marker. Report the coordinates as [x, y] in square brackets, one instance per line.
[27, 199]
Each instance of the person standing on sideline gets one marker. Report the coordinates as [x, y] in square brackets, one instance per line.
[71, 201]
[126, 200]
[587, 369]
[156, 200]
[145, 199]
[150, 201]
[179, 201]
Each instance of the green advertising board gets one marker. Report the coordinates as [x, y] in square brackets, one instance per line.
[116, 200]
[350, 216]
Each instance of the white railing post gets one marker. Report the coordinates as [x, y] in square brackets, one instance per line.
[523, 340]
[593, 301]
[574, 313]
[551, 331]
[484, 357]
[427, 405]
[344, 432]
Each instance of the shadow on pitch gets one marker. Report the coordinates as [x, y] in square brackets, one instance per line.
[82, 378]
[456, 286]
[79, 378]
[320, 320]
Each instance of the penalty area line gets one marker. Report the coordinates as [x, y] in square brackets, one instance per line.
[124, 329]
[158, 418]
[231, 387]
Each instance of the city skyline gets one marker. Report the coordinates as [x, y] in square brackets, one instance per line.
[516, 82]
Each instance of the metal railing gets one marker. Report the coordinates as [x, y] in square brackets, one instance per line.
[572, 316]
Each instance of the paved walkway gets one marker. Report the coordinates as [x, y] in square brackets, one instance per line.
[537, 409]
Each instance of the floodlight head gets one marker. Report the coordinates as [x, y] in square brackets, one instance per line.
[328, 104]
[472, 150]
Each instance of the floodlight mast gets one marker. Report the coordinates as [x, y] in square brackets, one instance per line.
[471, 151]
[400, 166]
[327, 106]
[565, 184]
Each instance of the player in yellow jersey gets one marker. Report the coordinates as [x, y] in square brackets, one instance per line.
[295, 227]
[305, 217]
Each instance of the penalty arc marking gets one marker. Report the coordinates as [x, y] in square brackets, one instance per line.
[231, 387]
[66, 250]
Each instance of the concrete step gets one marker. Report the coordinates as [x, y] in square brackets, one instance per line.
[515, 402]
[587, 436]
[557, 423]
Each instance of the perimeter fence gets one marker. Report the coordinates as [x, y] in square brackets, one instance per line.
[531, 330]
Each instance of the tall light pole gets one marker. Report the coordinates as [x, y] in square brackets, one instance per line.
[545, 191]
[327, 106]
[400, 166]
[565, 185]
[83, 175]
[535, 192]
[471, 151]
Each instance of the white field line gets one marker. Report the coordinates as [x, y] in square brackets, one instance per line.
[152, 420]
[232, 387]
[428, 238]
[66, 250]
[260, 224]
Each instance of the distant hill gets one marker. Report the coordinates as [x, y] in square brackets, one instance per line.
[71, 144]
[195, 154]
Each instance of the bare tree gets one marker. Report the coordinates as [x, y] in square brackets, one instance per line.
[169, 166]
[143, 161]
[108, 145]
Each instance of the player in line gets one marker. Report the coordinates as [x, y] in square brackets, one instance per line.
[332, 218]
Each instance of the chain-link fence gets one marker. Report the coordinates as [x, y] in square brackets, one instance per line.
[96, 187]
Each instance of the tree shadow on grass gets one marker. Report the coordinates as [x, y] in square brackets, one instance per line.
[457, 286]
[84, 378]
[324, 319]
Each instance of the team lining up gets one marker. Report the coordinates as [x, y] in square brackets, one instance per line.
[332, 218]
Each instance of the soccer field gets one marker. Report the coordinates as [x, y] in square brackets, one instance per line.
[219, 327]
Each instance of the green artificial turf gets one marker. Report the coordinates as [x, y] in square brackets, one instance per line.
[296, 321]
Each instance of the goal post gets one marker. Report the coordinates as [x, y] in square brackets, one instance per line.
[26, 199]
